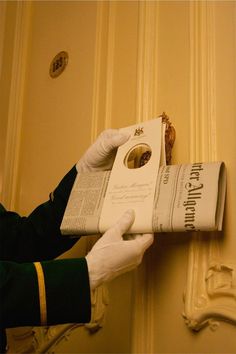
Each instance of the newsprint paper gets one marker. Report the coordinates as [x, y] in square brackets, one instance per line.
[186, 197]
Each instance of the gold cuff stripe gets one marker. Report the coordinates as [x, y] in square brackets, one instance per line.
[42, 293]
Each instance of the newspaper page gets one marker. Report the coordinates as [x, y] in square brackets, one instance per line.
[83, 210]
[188, 197]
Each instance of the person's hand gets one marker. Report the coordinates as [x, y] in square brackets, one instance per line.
[100, 156]
[112, 255]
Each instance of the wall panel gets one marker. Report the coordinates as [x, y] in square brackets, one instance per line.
[128, 61]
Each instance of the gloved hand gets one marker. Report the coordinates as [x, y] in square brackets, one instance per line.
[112, 255]
[100, 156]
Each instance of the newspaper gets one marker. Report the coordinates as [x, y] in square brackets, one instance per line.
[188, 197]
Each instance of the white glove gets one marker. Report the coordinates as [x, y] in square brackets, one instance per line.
[112, 255]
[100, 156]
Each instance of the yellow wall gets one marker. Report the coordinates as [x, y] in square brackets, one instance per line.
[7, 16]
[129, 61]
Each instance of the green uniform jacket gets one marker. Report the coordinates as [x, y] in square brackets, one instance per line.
[37, 238]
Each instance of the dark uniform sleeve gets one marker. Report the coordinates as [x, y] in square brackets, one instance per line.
[67, 293]
[37, 238]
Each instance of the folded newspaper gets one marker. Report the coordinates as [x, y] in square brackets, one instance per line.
[186, 197]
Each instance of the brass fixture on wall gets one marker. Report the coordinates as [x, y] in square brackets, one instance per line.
[58, 64]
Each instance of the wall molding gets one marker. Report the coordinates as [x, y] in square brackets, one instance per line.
[202, 82]
[16, 104]
[104, 67]
[211, 284]
[97, 69]
[110, 62]
[146, 107]
[2, 31]
[147, 56]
